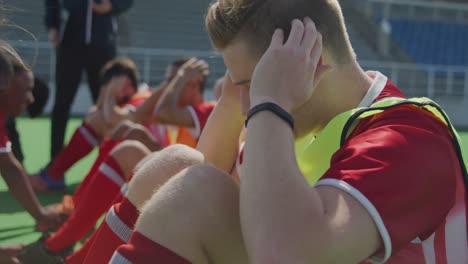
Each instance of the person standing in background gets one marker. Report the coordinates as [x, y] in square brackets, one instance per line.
[88, 42]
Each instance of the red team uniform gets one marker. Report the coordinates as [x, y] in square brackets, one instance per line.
[382, 163]
[189, 136]
[108, 174]
[83, 141]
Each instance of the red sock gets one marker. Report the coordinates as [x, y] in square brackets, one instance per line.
[113, 232]
[81, 144]
[79, 256]
[95, 202]
[140, 249]
[104, 149]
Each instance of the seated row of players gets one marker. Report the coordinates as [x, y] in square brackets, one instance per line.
[373, 177]
[364, 161]
[178, 102]
[124, 98]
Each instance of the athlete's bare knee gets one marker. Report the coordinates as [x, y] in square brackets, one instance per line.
[128, 154]
[201, 178]
[159, 168]
[199, 206]
[196, 188]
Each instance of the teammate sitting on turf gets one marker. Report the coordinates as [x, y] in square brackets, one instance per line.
[366, 176]
[99, 248]
[182, 105]
[16, 83]
[121, 94]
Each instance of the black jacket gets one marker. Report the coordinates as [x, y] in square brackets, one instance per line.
[104, 27]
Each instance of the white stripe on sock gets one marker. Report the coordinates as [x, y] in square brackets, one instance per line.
[111, 174]
[119, 259]
[88, 136]
[117, 226]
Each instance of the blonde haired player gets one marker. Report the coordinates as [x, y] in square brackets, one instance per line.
[385, 185]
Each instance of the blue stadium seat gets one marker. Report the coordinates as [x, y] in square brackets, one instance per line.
[429, 42]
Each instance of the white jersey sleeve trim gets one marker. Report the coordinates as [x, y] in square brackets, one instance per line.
[378, 85]
[6, 149]
[197, 130]
[344, 186]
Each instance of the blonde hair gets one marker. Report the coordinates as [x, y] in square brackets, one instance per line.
[256, 20]
[10, 64]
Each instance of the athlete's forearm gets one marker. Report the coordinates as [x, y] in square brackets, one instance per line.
[108, 104]
[280, 214]
[167, 110]
[101, 97]
[219, 141]
[144, 112]
[18, 184]
[170, 96]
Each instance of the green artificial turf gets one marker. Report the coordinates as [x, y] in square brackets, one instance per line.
[16, 226]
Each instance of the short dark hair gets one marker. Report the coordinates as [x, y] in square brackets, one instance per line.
[118, 67]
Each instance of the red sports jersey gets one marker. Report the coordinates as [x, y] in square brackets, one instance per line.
[5, 144]
[401, 165]
[200, 114]
[144, 92]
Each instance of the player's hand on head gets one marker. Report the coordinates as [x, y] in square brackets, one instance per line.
[194, 69]
[290, 70]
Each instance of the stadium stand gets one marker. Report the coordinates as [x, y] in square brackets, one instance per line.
[427, 56]
[434, 36]
[431, 42]
[152, 33]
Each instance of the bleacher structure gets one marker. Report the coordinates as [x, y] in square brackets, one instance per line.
[421, 45]
[432, 36]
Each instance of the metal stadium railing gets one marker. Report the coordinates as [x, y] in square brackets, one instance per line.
[414, 79]
[448, 85]
[434, 10]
